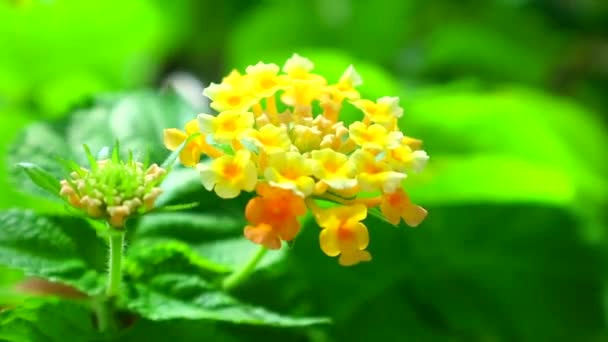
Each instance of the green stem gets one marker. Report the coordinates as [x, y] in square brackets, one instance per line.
[241, 274]
[102, 312]
[115, 263]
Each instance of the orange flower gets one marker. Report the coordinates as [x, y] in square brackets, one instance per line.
[273, 216]
[397, 205]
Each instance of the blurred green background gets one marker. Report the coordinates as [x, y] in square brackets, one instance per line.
[509, 96]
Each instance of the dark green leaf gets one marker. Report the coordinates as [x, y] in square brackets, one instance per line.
[181, 296]
[151, 256]
[51, 320]
[61, 249]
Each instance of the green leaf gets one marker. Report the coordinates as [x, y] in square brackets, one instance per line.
[506, 145]
[489, 179]
[214, 237]
[234, 252]
[41, 145]
[180, 296]
[60, 249]
[189, 227]
[452, 278]
[50, 320]
[135, 119]
[151, 256]
[176, 330]
[178, 183]
[45, 180]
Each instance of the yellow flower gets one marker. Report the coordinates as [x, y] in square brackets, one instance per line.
[375, 174]
[282, 129]
[191, 154]
[343, 234]
[227, 126]
[306, 138]
[397, 205]
[290, 171]
[373, 137]
[305, 86]
[298, 67]
[232, 94]
[264, 79]
[346, 85]
[384, 111]
[402, 158]
[334, 169]
[270, 138]
[228, 175]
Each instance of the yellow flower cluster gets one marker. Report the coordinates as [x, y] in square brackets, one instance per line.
[280, 134]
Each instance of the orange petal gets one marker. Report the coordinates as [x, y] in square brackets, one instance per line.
[390, 212]
[414, 215]
[353, 258]
[289, 229]
[255, 209]
[264, 235]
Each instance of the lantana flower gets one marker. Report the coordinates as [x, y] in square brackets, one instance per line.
[278, 132]
[112, 189]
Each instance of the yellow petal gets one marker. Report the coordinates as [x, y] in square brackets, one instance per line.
[361, 235]
[328, 240]
[192, 127]
[208, 176]
[226, 190]
[173, 137]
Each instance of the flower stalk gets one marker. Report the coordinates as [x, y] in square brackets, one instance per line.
[241, 274]
[116, 245]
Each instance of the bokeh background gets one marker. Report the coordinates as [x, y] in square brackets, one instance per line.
[509, 96]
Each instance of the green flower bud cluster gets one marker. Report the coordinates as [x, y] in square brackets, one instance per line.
[113, 190]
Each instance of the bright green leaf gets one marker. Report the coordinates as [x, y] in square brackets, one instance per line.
[42, 178]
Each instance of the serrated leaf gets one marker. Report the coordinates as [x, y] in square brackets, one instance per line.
[216, 238]
[177, 296]
[44, 179]
[50, 320]
[152, 256]
[60, 249]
